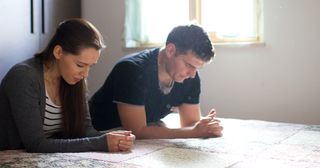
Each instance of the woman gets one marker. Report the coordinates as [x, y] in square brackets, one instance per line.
[43, 105]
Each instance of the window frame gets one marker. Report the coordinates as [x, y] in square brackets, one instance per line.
[195, 14]
[195, 17]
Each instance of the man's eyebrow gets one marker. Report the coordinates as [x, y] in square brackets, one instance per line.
[190, 64]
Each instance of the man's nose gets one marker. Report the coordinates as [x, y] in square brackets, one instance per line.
[192, 72]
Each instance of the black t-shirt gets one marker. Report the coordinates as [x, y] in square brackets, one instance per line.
[134, 80]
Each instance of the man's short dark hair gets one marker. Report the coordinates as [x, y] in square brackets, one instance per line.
[192, 37]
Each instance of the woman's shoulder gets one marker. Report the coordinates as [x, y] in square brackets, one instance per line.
[28, 64]
[31, 65]
[30, 68]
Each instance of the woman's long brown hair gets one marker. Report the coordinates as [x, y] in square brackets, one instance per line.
[72, 35]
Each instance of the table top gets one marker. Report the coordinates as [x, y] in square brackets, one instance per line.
[245, 143]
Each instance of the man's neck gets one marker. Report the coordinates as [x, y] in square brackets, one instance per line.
[163, 76]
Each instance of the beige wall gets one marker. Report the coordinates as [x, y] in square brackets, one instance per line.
[278, 81]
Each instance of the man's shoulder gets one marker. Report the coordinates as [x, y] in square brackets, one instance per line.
[141, 56]
[141, 60]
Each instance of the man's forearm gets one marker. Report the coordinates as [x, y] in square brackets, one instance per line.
[156, 132]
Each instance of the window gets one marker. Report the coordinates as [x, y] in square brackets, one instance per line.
[148, 22]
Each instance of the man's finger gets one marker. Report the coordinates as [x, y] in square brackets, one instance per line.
[205, 120]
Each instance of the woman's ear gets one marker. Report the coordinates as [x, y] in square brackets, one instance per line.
[170, 50]
[57, 51]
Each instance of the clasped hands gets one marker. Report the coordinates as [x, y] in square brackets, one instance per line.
[209, 126]
[120, 141]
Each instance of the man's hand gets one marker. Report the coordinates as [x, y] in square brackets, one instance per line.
[212, 114]
[120, 140]
[208, 126]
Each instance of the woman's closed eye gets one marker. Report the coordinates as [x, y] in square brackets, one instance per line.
[80, 65]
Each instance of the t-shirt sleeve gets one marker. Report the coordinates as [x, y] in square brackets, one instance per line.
[129, 83]
[192, 90]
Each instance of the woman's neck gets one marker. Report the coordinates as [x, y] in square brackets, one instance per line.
[51, 74]
[52, 83]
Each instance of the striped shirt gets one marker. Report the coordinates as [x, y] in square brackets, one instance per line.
[52, 118]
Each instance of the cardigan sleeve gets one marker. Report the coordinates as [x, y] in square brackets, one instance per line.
[23, 90]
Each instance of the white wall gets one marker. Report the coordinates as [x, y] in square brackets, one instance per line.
[278, 81]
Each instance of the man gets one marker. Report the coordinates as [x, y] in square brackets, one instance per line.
[146, 86]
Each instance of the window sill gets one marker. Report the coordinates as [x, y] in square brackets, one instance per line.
[223, 45]
[240, 44]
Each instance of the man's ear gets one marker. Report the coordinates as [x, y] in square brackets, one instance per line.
[170, 50]
[57, 51]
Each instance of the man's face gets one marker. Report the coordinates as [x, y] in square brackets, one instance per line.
[184, 66]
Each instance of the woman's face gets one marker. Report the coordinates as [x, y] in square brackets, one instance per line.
[74, 68]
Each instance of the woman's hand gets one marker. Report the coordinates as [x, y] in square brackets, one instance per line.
[120, 141]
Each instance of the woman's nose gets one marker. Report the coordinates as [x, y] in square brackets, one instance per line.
[85, 72]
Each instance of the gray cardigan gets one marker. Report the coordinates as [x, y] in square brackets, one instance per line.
[22, 108]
